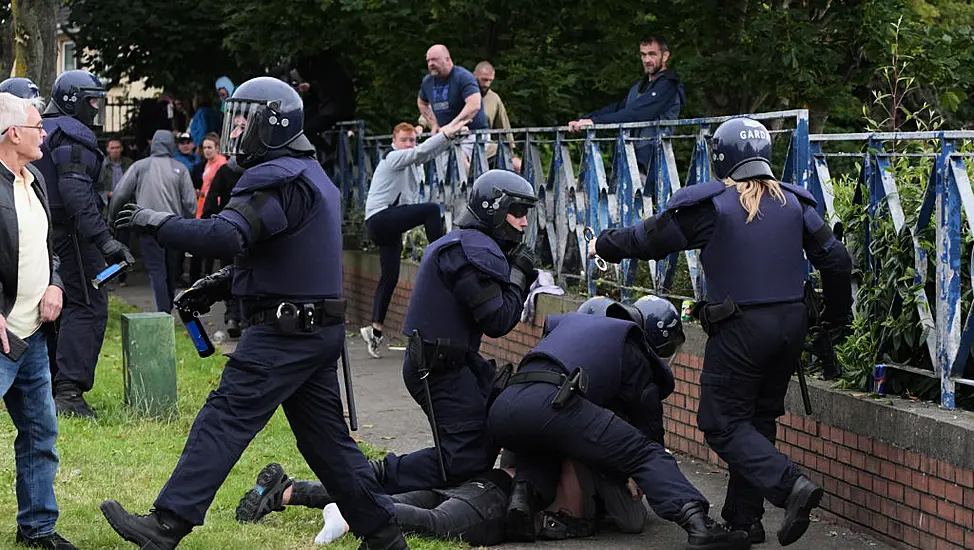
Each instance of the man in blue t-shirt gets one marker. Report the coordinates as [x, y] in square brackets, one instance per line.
[450, 94]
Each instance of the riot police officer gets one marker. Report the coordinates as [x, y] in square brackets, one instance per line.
[21, 87]
[601, 405]
[471, 282]
[751, 230]
[282, 226]
[71, 163]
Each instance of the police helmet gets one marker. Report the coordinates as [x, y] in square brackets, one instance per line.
[741, 149]
[263, 115]
[662, 325]
[495, 194]
[603, 306]
[78, 94]
[21, 87]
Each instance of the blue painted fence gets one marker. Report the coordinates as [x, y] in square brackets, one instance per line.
[592, 179]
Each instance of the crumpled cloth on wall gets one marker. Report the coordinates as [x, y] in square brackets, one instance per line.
[544, 284]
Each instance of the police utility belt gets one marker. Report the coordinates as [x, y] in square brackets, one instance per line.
[575, 383]
[712, 314]
[291, 317]
[443, 355]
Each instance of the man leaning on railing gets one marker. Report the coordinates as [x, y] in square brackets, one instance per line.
[393, 208]
[657, 96]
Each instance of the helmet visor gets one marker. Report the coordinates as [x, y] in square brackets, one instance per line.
[240, 127]
[91, 107]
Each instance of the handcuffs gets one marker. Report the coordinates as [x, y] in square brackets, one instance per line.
[589, 235]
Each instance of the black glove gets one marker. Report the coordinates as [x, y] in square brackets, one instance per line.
[206, 292]
[133, 217]
[115, 252]
[825, 337]
[523, 273]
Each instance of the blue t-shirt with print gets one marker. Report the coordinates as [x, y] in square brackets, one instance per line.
[446, 97]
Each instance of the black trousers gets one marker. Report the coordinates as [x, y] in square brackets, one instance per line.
[385, 230]
[473, 512]
[84, 315]
[297, 371]
[748, 363]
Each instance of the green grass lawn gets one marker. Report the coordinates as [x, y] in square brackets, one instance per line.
[129, 459]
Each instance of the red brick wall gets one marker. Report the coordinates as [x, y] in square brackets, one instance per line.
[901, 496]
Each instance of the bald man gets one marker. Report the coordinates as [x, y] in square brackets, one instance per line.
[450, 95]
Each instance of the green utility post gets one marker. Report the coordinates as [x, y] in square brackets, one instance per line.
[149, 363]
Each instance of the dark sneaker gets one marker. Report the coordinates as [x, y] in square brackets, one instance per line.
[266, 496]
[157, 530]
[804, 496]
[560, 526]
[53, 541]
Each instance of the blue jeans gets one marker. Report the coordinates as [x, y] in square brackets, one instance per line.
[26, 387]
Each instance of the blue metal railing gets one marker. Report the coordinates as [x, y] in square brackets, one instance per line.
[602, 198]
[596, 198]
[946, 197]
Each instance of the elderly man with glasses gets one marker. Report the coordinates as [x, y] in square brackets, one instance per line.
[30, 297]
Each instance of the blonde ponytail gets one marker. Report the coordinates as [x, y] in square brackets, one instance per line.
[752, 191]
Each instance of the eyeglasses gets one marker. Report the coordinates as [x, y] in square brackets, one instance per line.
[40, 126]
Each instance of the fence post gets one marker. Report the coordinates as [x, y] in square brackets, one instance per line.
[149, 363]
[948, 273]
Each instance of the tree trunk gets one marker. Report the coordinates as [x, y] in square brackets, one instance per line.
[6, 40]
[35, 41]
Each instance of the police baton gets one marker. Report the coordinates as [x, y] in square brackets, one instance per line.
[436, 432]
[414, 350]
[803, 386]
[349, 394]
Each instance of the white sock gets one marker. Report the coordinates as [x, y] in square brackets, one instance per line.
[334, 527]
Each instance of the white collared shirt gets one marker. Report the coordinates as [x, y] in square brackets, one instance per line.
[33, 259]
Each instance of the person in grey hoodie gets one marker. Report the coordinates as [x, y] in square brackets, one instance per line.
[161, 183]
[392, 208]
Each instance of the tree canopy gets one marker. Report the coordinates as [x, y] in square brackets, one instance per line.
[556, 60]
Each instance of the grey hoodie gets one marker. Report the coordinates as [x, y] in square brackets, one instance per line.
[159, 182]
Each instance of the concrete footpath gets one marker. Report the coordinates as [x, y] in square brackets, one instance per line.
[388, 418]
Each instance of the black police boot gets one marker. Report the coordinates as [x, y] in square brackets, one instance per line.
[233, 328]
[703, 533]
[53, 541]
[265, 496]
[754, 530]
[68, 401]
[379, 469]
[804, 496]
[389, 538]
[519, 522]
[157, 530]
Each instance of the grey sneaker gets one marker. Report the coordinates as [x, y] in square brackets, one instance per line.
[373, 341]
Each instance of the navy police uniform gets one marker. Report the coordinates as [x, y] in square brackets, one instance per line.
[464, 289]
[282, 226]
[617, 427]
[81, 237]
[755, 315]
